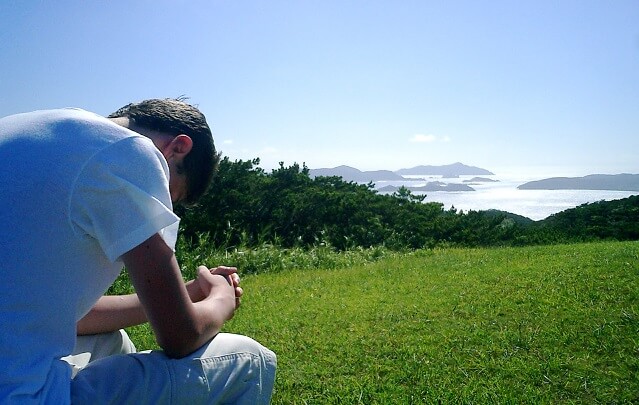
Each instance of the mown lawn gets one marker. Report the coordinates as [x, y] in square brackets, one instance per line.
[555, 324]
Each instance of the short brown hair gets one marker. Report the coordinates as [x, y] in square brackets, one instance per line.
[176, 117]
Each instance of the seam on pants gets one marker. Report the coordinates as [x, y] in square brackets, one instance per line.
[172, 382]
[225, 357]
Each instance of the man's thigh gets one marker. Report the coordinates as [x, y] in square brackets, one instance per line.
[230, 368]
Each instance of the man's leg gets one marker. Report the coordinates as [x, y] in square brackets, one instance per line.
[239, 370]
[89, 348]
[228, 369]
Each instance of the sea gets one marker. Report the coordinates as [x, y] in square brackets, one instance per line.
[502, 194]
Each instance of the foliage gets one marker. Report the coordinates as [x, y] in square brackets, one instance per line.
[248, 207]
[269, 258]
[610, 220]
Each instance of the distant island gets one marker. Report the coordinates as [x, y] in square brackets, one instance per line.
[613, 182]
[431, 186]
[481, 180]
[454, 170]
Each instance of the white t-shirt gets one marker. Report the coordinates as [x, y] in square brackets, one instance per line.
[76, 192]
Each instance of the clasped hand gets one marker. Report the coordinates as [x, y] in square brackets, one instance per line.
[202, 286]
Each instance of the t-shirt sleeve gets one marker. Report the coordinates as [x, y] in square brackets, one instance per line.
[121, 197]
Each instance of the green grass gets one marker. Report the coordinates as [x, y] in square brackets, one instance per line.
[556, 324]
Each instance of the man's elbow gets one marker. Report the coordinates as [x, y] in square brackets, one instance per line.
[177, 350]
[186, 343]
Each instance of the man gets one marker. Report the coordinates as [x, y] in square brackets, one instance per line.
[81, 196]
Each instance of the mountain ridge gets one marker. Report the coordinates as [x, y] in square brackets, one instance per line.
[450, 170]
[349, 173]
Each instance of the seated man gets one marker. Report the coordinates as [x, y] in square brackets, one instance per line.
[81, 197]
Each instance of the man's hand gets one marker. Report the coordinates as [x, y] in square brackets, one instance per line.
[218, 291]
[234, 279]
[200, 287]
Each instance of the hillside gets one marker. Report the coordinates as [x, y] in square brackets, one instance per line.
[551, 324]
[616, 219]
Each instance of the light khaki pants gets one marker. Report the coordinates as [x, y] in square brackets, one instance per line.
[230, 369]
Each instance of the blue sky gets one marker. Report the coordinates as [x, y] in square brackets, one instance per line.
[504, 85]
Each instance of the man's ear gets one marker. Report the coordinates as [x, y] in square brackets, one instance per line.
[181, 145]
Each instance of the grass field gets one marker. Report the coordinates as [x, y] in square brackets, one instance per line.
[555, 324]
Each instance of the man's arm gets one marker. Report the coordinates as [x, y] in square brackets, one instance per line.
[180, 325]
[112, 312]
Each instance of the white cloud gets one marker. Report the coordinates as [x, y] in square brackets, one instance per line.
[227, 142]
[421, 138]
[429, 138]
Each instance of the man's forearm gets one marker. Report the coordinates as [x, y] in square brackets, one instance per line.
[115, 312]
[110, 313]
[180, 325]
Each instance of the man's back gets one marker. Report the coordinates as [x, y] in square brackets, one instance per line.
[59, 171]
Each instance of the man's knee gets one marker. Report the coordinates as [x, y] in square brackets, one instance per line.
[251, 365]
[225, 343]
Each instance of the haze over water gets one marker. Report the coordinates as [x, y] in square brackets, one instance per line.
[504, 195]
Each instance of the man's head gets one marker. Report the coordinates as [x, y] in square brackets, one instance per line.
[174, 117]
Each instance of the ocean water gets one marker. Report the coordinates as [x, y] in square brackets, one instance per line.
[504, 195]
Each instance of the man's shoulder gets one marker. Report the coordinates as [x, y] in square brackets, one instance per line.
[63, 123]
[56, 114]
[92, 130]
[86, 120]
